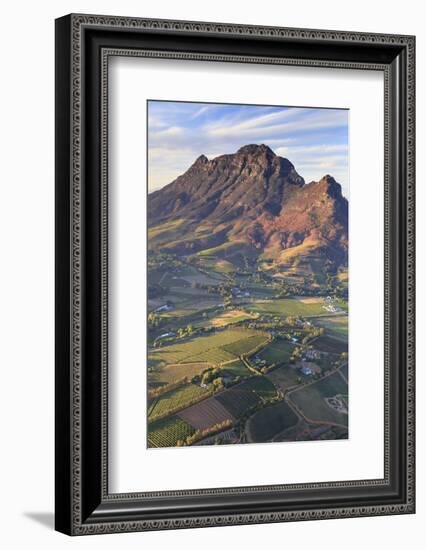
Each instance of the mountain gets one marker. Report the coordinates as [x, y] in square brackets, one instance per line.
[250, 203]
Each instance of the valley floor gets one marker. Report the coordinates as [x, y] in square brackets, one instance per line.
[234, 359]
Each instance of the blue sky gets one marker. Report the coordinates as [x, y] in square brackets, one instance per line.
[314, 140]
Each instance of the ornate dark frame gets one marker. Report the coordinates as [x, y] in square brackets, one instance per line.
[83, 46]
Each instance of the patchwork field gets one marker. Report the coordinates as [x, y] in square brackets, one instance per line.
[247, 314]
[213, 348]
[205, 414]
[167, 432]
[270, 421]
[311, 399]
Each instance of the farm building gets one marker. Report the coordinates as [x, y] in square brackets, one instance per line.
[306, 371]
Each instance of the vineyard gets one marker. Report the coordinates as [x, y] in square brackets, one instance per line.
[205, 414]
[246, 345]
[167, 432]
[236, 368]
[330, 344]
[175, 399]
[238, 401]
[178, 371]
[209, 349]
[270, 421]
[263, 387]
[277, 352]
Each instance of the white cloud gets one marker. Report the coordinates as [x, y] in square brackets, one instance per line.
[310, 138]
[201, 111]
[308, 120]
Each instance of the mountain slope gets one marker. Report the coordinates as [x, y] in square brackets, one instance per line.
[251, 203]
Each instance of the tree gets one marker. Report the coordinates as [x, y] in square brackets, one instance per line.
[218, 383]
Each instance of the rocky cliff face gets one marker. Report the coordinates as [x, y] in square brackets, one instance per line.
[253, 197]
[250, 181]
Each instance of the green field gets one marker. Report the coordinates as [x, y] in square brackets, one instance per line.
[311, 399]
[284, 377]
[209, 349]
[336, 326]
[288, 307]
[175, 399]
[217, 265]
[238, 401]
[245, 345]
[164, 232]
[330, 345]
[167, 432]
[278, 351]
[270, 421]
[260, 385]
[170, 374]
[216, 356]
[236, 368]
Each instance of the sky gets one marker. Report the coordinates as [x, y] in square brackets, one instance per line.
[314, 140]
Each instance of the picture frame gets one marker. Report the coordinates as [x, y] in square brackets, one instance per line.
[84, 504]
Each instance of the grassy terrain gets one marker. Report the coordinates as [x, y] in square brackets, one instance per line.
[164, 232]
[278, 351]
[260, 385]
[209, 348]
[284, 377]
[311, 399]
[336, 326]
[270, 421]
[170, 374]
[330, 345]
[288, 307]
[228, 250]
[245, 345]
[229, 317]
[215, 356]
[167, 432]
[175, 399]
[236, 368]
[218, 265]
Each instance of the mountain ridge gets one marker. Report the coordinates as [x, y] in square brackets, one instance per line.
[252, 197]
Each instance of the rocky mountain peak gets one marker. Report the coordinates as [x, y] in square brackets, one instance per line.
[202, 159]
[257, 197]
[253, 149]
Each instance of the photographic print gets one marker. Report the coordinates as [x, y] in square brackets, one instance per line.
[247, 287]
